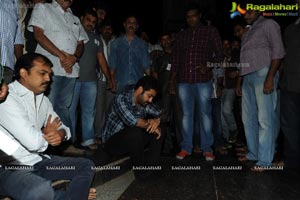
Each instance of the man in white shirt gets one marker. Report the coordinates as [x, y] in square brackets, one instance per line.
[27, 117]
[61, 38]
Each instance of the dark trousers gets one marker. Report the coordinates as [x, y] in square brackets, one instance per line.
[133, 140]
[36, 184]
[290, 125]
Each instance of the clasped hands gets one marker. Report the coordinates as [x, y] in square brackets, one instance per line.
[67, 61]
[51, 131]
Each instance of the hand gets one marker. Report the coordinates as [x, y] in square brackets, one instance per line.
[238, 89]
[109, 84]
[153, 125]
[219, 92]
[51, 133]
[158, 132]
[51, 126]
[233, 74]
[53, 138]
[68, 62]
[114, 86]
[3, 91]
[172, 90]
[268, 85]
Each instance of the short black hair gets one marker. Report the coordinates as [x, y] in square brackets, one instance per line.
[89, 11]
[106, 22]
[26, 62]
[193, 6]
[148, 83]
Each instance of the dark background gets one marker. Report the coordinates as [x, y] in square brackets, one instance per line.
[156, 16]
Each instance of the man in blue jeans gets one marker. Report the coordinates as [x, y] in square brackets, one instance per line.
[28, 120]
[262, 50]
[61, 38]
[129, 58]
[194, 48]
[86, 85]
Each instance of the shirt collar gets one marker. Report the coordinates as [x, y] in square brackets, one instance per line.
[22, 90]
[57, 6]
[259, 19]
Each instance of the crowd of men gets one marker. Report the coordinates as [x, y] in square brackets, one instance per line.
[131, 96]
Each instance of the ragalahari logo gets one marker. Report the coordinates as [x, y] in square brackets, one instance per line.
[236, 10]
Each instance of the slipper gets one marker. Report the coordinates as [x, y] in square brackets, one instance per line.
[243, 159]
[221, 150]
[92, 194]
[243, 149]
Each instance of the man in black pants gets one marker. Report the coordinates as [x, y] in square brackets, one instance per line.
[133, 124]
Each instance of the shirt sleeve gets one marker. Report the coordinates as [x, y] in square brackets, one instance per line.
[112, 58]
[19, 37]
[175, 59]
[100, 46]
[15, 120]
[82, 34]
[54, 115]
[38, 16]
[153, 110]
[122, 107]
[145, 56]
[217, 44]
[274, 39]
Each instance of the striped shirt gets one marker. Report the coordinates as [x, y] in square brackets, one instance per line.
[10, 31]
[260, 45]
[193, 50]
[124, 112]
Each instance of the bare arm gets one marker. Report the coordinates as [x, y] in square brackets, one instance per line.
[18, 50]
[269, 82]
[44, 41]
[105, 70]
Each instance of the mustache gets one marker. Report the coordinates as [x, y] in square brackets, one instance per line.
[46, 83]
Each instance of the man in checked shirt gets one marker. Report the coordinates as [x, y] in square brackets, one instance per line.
[194, 49]
[262, 50]
[133, 124]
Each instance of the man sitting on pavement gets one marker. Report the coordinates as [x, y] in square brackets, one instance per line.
[133, 124]
[27, 117]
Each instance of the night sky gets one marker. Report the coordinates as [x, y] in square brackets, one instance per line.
[151, 13]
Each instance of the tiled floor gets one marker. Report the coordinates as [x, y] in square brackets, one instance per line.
[212, 183]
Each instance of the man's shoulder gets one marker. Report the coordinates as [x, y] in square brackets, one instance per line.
[268, 23]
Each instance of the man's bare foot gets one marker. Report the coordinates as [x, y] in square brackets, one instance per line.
[92, 194]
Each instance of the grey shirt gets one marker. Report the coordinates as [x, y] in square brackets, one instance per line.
[260, 45]
[88, 60]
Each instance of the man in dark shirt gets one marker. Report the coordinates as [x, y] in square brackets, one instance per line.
[290, 96]
[133, 123]
[193, 49]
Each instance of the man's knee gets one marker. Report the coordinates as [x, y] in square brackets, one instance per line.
[41, 191]
[86, 166]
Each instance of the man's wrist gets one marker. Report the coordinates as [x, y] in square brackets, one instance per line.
[76, 57]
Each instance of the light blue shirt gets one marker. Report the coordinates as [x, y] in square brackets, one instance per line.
[10, 31]
[129, 61]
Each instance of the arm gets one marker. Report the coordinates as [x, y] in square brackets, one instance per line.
[3, 91]
[277, 52]
[15, 120]
[44, 41]
[105, 70]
